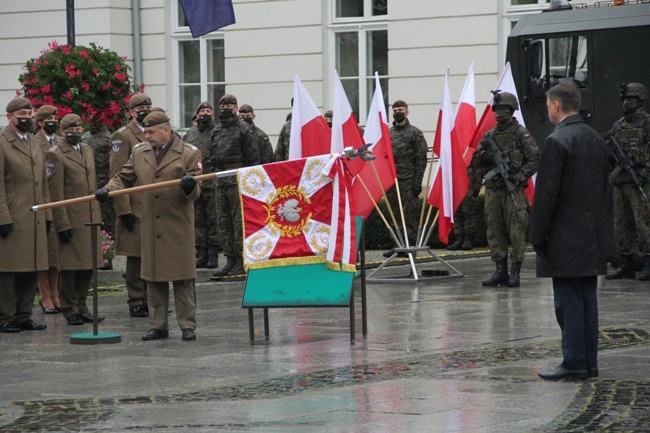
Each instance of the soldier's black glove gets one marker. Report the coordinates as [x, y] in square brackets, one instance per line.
[65, 236]
[102, 195]
[129, 221]
[48, 227]
[188, 183]
[486, 158]
[4, 230]
[416, 190]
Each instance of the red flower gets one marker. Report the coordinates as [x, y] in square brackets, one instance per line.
[120, 77]
[33, 91]
[83, 53]
[107, 85]
[66, 49]
[53, 45]
[95, 71]
[85, 86]
[67, 95]
[45, 89]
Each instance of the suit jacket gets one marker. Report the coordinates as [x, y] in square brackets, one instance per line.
[168, 250]
[23, 184]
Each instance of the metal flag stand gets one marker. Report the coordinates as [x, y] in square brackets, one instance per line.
[95, 337]
[413, 275]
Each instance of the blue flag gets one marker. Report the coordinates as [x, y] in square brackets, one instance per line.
[205, 16]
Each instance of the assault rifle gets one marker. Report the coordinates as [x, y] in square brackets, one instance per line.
[500, 168]
[624, 162]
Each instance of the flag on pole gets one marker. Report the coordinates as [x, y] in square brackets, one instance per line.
[345, 129]
[465, 118]
[505, 83]
[310, 135]
[377, 132]
[450, 182]
[205, 16]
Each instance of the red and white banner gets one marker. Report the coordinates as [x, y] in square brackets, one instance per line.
[345, 129]
[310, 135]
[295, 212]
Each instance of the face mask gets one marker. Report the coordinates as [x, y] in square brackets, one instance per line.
[24, 124]
[329, 124]
[225, 113]
[399, 117]
[503, 114]
[141, 115]
[51, 126]
[630, 105]
[204, 119]
[73, 138]
[248, 120]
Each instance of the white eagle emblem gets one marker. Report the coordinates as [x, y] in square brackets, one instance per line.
[289, 210]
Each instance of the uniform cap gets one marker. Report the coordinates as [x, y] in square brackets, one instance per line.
[139, 99]
[45, 111]
[18, 103]
[228, 99]
[400, 103]
[245, 108]
[70, 120]
[159, 109]
[204, 104]
[155, 118]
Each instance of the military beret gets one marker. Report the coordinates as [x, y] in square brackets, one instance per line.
[228, 99]
[155, 118]
[400, 103]
[18, 103]
[70, 120]
[139, 99]
[45, 111]
[245, 108]
[159, 109]
[328, 114]
[204, 104]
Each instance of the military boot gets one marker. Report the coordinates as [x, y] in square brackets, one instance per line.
[645, 273]
[201, 258]
[467, 244]
[238, 269]
[213, 258]
[457, 245]
[513, 281]
[230, 263]
[500, 277]
[625, 270]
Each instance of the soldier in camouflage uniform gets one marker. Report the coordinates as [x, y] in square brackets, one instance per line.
[205, 211]
[247, 114]
[631, 210]
[233, 146]
[506, 223]
[465, 216]
[98, 138]
[282, 148]
[410, 155]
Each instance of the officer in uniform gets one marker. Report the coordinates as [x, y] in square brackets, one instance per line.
[507, 221]
[168, 213]
[631, 210]
[23, 233]
[247, 114]
[98, 138]
[282, 148]
[129, 207]
[233, 146]
[205, 211]
[410, 155]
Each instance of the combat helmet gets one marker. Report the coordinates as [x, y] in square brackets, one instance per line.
[505, 99]
[636, 90]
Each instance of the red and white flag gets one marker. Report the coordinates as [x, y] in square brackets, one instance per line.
[450, 182]
[345, 129]
[505, 83]
[376, 132]
[465, 119]
[310, 135]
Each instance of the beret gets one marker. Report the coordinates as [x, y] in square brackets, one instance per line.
[204, 104]
[18, 103]
[70, 120]
[228, 99]
[400, 103]
[158, 109]
[155, 118]
[139, 99]
[245, 108]
[328, 114]
[45, 111]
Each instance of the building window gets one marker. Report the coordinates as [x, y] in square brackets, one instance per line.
[360, 8]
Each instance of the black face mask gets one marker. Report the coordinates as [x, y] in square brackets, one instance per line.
[73, 137]
[204, 119]
[51, 126]
[399, 117]
[248, 120]
[225, 113]
[503, 114]
[140, 115]
[630, 105]
[25, 124]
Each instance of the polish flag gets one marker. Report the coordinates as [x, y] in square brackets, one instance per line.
[465, 120]
[310, 135]
[505, 83]
[345, 129]
[377, 132]
[450, 181]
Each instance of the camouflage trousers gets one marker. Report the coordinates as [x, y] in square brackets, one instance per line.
[631, 219]
[108, 217]
[205, 220]
[229, 220]
[506, 226]
[465, 219]
[411, 206]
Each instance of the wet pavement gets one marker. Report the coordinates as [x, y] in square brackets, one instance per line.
[444, 355]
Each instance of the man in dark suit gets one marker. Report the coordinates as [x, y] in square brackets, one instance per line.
[569, 228]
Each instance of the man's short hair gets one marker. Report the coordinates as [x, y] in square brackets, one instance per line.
[568, 94]
[400, 103]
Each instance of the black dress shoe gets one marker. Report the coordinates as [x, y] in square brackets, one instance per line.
[188, 335]
[88, 318]
[139, 311]
[155, 334]
[9, 328]
[30, 325]
[75, 320]
[593, 372]
[562, 373]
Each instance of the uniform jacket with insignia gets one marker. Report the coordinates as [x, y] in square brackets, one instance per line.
[233, 146]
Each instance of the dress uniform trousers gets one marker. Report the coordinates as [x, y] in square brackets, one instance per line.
[184, 301]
